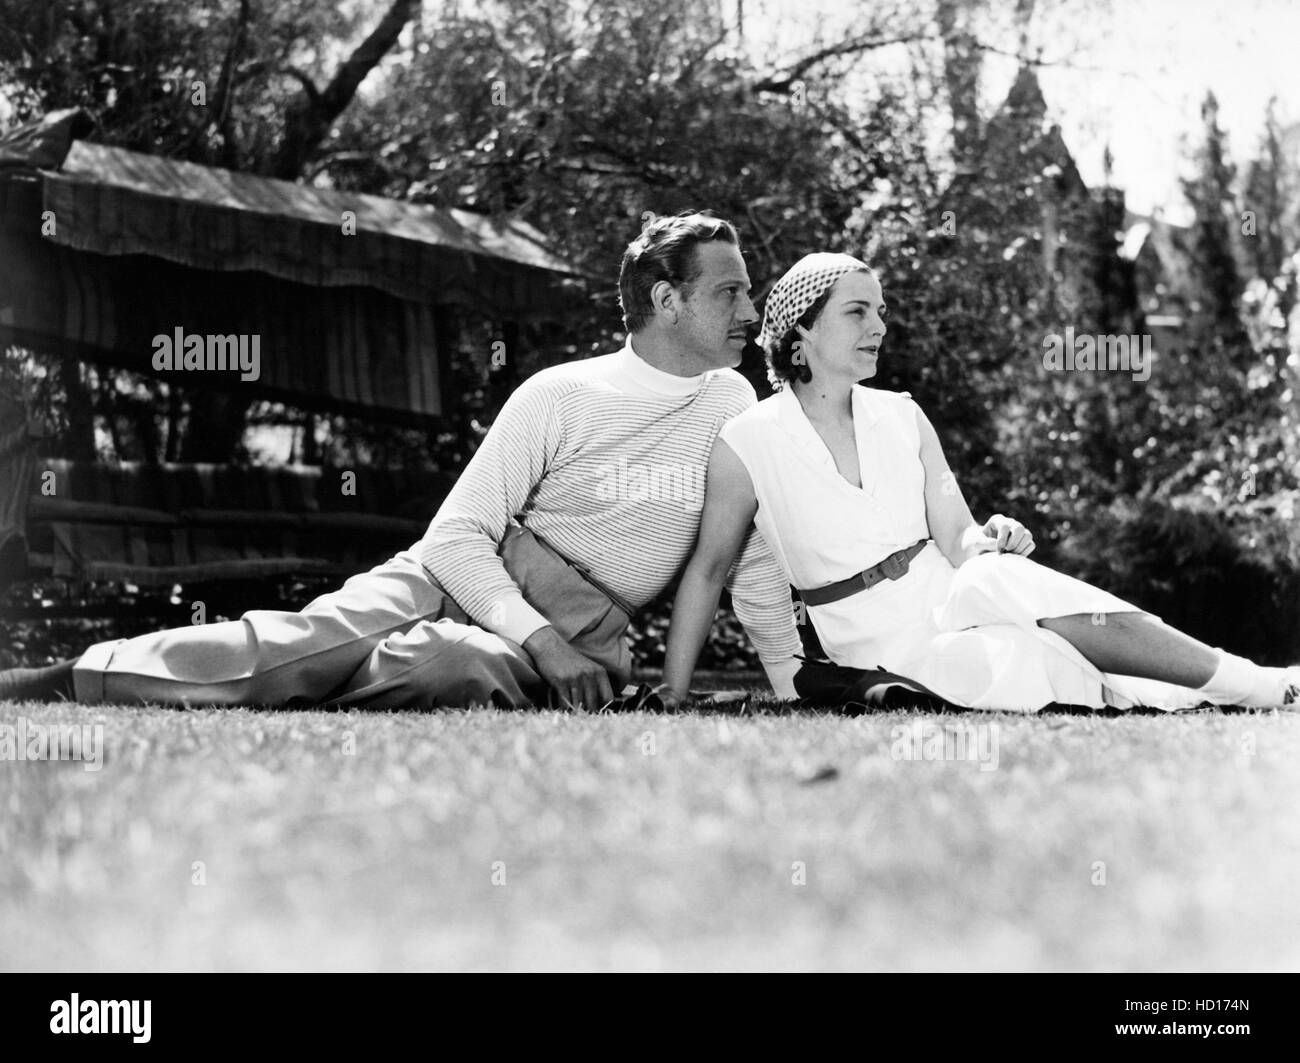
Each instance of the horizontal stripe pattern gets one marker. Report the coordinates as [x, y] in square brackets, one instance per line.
[613, 478]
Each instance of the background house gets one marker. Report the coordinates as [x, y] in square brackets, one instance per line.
[353, 297]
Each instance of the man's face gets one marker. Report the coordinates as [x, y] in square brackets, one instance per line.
[716, 313]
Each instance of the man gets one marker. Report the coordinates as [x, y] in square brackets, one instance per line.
[581, 505]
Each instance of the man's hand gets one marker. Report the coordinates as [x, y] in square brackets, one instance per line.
[1006, 536]
[579, 681]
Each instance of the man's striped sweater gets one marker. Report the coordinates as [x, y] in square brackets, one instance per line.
[605, 460]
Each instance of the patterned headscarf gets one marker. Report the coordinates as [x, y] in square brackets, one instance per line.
[802, 285]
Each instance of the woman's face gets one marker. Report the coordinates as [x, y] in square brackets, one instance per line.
[845, 341]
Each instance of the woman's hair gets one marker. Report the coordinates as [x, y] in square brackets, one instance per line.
[782, 366]
[666, 251]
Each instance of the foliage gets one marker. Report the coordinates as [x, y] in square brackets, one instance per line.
[211, 83]
[1231, 581]
[584, 118]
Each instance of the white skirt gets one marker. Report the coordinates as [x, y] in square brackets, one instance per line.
[971, 635]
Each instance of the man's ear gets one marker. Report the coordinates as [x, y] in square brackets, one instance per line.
[666, 300]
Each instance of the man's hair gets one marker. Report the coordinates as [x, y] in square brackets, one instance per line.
[665, 251]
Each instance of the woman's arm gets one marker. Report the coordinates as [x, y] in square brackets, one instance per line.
[729, 508]
[952, 526]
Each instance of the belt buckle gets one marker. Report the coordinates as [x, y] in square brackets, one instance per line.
[895, 565]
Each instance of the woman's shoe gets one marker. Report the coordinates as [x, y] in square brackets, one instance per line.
[827, 683]
[1292, 696]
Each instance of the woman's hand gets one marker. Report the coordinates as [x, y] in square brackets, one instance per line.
[672, 701]
[1005, 535]
[952, 527]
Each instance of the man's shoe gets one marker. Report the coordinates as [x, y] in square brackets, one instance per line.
[38, 684]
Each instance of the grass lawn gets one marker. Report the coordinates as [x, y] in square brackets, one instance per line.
[360, 841]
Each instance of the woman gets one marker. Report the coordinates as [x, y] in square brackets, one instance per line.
[850, 488]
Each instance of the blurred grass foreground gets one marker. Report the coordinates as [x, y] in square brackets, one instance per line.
[234, 840]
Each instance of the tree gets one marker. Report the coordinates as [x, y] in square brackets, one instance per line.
[1203, 400]
[1270, 223]
[1211, 196]
[586, 120]
[238, 86]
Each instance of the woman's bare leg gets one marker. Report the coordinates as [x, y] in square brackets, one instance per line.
[1137, 644]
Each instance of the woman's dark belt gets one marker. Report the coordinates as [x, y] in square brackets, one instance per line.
[894, 566]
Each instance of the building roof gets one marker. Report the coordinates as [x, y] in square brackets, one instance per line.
[112, 201]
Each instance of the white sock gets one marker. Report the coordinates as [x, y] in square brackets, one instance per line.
[1238, 681]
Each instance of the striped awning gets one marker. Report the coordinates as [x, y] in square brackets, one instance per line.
[102, 250]
[117, 202]
[354, 349]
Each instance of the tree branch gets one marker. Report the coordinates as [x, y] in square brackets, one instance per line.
[782, 80]
[688, 68]
[338, 94]
[218, 113]
[309, 117]
[304, 79]
[335, 158]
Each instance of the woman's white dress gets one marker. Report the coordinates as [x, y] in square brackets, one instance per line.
[970, 634]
